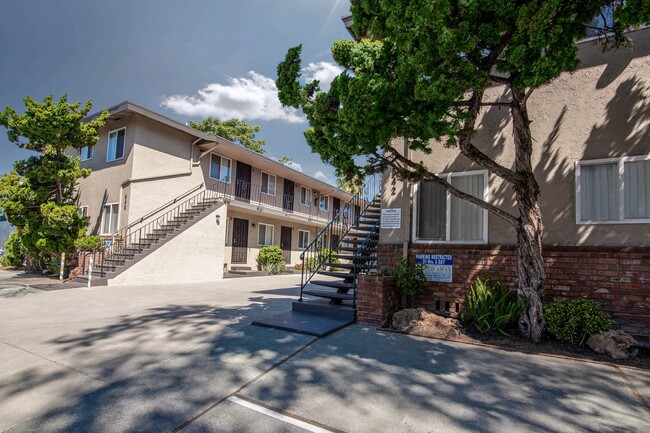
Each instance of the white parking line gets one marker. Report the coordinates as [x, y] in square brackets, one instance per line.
[277, 415]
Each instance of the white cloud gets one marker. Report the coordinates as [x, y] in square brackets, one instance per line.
[324, 72]
[294, 165]
[321, 176]
[254, 97]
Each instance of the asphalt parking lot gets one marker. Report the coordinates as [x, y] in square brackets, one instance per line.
[185, 358]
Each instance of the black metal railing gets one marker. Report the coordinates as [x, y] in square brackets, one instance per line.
[326, 245]
[148, 229]
[365, 257]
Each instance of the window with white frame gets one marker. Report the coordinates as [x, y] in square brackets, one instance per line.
[613, 190]
[116, 144]
[220, 168]
[268, 183]
[303, 238]
[109, 218]
[324, 202]
[83, 211]
[441, 217]
[87, 153]
[264, 234]
[305, 196]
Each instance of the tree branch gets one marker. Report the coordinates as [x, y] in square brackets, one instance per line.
[418, 172]
[473, 153]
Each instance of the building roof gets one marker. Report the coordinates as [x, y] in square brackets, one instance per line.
[208, 141]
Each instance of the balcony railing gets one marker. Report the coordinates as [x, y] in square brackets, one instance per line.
[264, 197]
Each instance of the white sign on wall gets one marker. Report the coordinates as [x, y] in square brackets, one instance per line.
[391, 218]
[438, 267]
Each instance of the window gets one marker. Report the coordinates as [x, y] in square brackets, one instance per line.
[83, 211]
[264, 234]
[3, 217]
[613, 190]
[324, 202]
[441, 217]
[268, 183]
[109, 218]
[87, 153]
[305, 196]
[116, 144]
[303, 238]
[220, 168]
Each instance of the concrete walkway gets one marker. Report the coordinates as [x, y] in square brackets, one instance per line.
[171, 358]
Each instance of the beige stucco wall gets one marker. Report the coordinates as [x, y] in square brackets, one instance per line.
[194, 255]
[165, 165]
[277, 222]
[104, 185]
[602, 110]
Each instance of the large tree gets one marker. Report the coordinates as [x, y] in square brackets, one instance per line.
[420, 70]
[40, 196]
[234, 130]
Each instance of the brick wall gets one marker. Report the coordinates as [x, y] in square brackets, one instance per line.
[377, 299]
[617, 278]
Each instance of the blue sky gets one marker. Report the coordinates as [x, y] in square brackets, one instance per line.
[184, 59]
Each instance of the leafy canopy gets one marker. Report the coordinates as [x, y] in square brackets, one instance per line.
[412, 77]
[234, 130]
[39, 196]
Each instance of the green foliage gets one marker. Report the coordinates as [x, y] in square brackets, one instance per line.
[234, 130]
[573, 320]
[409, 281]
[39, 196]
[271, 259]
[89, 243]
[14, 254]
[422, 59]
[491, 307]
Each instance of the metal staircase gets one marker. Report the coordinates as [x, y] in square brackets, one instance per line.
[331, 265]
[140, 238]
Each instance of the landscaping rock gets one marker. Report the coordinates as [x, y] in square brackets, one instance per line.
[419, 321]
[617, 344]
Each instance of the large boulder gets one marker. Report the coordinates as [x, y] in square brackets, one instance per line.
[421, 322]
[617, 344]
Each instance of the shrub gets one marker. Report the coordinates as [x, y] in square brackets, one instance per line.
[271, 259]
[14, 251]
[573, 320]
[409, 281]
[491, 307]
[327, 255]
[89, 243]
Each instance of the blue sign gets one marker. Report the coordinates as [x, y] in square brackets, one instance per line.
[437, 267]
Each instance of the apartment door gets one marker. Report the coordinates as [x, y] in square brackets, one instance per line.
[285, 243]
[289, 190]
[243, 181]
[239, 241]
[336, 207]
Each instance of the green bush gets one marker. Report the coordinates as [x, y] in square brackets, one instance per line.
[491, 307]
[410, 281]
[271, 259]
[89, 243]
[327, 255]
[14, 254]
[573, 320]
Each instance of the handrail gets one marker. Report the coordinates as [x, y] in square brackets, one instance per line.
[367, 261]
[328, 241]
[169, 203]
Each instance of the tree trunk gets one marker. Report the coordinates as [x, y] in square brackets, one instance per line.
[530, 268]
[530, 230]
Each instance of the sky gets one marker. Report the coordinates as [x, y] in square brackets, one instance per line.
[184, 59]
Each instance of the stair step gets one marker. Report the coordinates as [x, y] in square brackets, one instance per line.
[355, 241]
[349, 265]
[122, 255]
[335, 284]
[337, 274]
[351, 257]
[349, 249]
[329, 295]
[321, 307]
